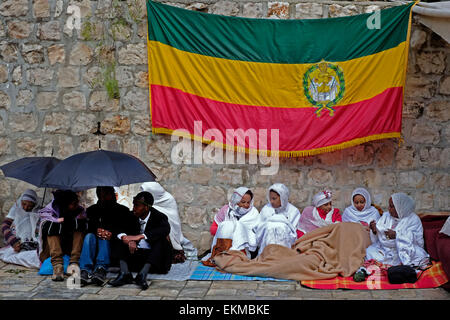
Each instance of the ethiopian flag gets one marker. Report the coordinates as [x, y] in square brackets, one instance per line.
[320, 85]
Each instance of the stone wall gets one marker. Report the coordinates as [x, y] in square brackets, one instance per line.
[51, 98]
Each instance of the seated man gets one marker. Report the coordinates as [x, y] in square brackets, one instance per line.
[145, 245]
[104, 219]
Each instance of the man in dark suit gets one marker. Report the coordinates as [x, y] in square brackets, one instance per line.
[104, 218]
[144, 245]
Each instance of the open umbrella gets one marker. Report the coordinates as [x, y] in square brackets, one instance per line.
[30, 169]
[98, 168]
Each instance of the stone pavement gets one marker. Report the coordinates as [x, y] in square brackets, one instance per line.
[17, 282]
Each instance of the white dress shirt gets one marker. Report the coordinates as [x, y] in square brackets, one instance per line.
[143, 244]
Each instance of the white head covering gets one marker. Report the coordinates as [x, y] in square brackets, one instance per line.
[29, 195]
[236, 197]
[322, 198]
[367, 214]
[283, 192]
[24, 222]
[404, 204]
[164, 202]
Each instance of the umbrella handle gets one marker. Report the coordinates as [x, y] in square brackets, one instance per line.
[43, 198]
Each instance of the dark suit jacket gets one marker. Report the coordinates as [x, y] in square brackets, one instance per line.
[157, 228]
[157, 232]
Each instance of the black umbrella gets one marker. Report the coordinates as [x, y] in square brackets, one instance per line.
[30, 169]
[98, 168]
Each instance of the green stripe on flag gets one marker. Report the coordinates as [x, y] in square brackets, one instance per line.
[276, 41]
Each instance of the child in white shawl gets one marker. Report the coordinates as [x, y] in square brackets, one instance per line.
[399, 235]
[19, 229]
[164, 202]
[235, 226]
[361, 211]
[278, 219]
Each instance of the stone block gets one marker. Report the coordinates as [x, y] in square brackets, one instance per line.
[14, 8]
[133, 54]
[225, 8]
[81, 54]
[84, 124]
[116, 124]
[56, 54]
[362, 155]
[74, 101]
[41, 8]
[444, 87]
[46, 100]
[439, 110]
[5, 101]
[201, 175]
[33, 53]
[277, 9]
[425, 133]
[3, 73]
[252, 10]
[136, 100]
[68, 77]
[56, 122]
[40, 76]
[99, 101]
[320, 177]
[9, 52]
[431, 62]
[49, 30]
[308, 10]
[141, 125]
[24, 97]
[18, 29]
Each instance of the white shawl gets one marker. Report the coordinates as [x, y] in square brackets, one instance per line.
[25, 222]
[367, 214]
[165, 203]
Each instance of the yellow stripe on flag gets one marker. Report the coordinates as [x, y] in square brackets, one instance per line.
[269, 84]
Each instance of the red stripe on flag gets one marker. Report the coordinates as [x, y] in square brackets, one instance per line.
[300, 128]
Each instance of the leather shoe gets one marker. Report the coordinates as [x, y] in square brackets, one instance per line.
[122, 278]
[141, 281]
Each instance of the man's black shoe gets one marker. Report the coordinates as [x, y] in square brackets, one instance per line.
[99, 276]
[141, 281]
[122, 278]
[85, 278]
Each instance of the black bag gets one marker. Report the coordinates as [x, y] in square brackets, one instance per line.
[401, 274]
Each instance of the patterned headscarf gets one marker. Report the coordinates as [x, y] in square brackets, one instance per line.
[322, 198]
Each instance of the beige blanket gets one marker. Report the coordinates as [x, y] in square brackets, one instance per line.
[323, 253]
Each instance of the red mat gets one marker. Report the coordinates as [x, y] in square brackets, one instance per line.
[430, 278]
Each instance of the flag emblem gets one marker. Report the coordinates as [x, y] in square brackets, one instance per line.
[324, 86]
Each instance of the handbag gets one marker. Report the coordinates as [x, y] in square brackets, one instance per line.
[401, 274]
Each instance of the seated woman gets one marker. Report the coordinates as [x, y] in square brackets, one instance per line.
[62, 228]
[278, 219]
[19, 231]
[321, 214]
[399, 235]
[361, 211]
[233, 225]
[164, 202]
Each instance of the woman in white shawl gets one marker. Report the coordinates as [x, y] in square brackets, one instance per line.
[165, 203]
[235, 224]
[399, 235]
[278, 219]
[361, 211]
[19, 230]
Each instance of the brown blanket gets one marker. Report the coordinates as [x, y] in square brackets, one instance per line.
[323, 253]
